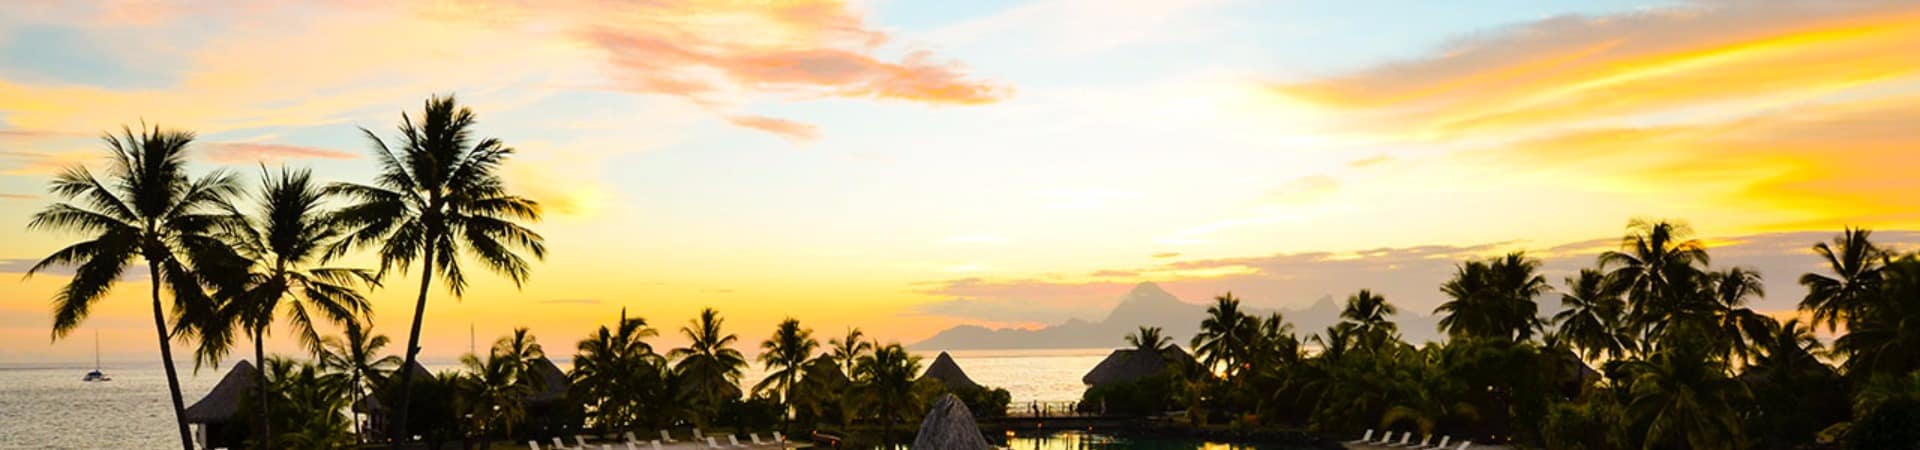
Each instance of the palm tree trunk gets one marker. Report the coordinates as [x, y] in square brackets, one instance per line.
[399, 421]
[166, 358]
[260, 391]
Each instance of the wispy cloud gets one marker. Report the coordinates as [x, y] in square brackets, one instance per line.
[794, 131]
[569, 301]
[249, 152]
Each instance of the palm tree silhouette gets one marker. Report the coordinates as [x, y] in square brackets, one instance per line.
[614, 367]
[784, 356]
[1224, 335]
[1493, 299]
[279, 239]
[1368, 312]
[1149, 339]
[847, 350]
[147, 207]
[1856, 264]
[1655, 264]
[356, 353]
[886, 377]
[1681, 397]
[438, 195]
[709, 366]
[1591, 318]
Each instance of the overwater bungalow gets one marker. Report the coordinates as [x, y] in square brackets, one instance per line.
[373, 413]
[1126, 365]
[550, 412]
[948, 373]
[213, 416]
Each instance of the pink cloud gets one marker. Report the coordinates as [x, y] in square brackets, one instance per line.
[795, 131]
[248, 152]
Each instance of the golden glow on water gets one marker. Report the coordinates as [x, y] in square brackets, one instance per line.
[1087, 440]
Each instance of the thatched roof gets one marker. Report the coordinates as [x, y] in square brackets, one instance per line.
[1128, 364]
[949, 373]
[1577, 371]
[371, 403]
[224, 400]
[554, 382]
[949, 426]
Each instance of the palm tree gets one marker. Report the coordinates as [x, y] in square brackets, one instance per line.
[1734, 324]
[1681, 397]
[784, 356]
[1788, 350]
[886, 376]
[847, 350]
[616, 368]
[280, 239]
[1591, 319]
[1655, 263]
[1368, 312]
[1856, 264]
[438, 196]
[1224, 335]
[495, 390]
[148, 207]
[709, 366]
[1884, 337]
[1149, 339]
[355, 353]
[309, 403]
[1493, 299]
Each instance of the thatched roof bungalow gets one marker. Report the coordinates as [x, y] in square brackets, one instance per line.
[949, 374]
[949, 426]
[213, 415]
[1128, 364]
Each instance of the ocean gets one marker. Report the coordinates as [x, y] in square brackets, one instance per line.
[48, 407]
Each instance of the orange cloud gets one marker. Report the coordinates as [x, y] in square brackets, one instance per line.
[248, 152]
[1641, 65]
[795, 131]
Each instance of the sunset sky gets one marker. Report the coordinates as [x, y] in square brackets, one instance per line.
[905, 166]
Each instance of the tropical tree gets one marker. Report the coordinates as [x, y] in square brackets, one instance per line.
[357, 353]
[785, 356]
[1856, 264]
[1224, 335]
[1149, 339]
[146, 207]
[439, 195]
[616, 369]
[493, 391]
[1734, 325]
[1591, 318]
[1493, 299]
[309, 400]
[886, 380]
[1884, 337]
[1655, 266]
[1682, 398]
[280, 238]
[709, 367]
[846, 350]
[1370, 315]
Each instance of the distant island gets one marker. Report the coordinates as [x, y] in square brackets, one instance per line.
[1146, 305]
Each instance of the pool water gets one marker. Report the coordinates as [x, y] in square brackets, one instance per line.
[1081, 440]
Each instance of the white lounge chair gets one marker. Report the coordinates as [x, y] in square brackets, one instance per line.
[779, 438]
[632, 446]
[655, 444]
[581, 441]
[755, 438]
[1385, 437]
[1441, 445]
[1464, 445]
[697, 436]
[664, 437]
[712, 444]
[558, 445]
[535, 445]
[629, 436]
[1404, 437]
[1364, 438]
[733, 441]
[1423, 442]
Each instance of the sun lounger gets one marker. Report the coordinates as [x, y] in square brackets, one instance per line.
[1364, 438]
[712, 444]
[1441, 445]
[667, 438]
[535, 445]
[655, 444]
[1423, 442]
[582, 441]
[558, 445]
[734, 442]
[697, 436]
[629, 436]
[631, 446]
[779, 438]
[1464, 445]
[1404, 437]
[1385, 437]
[755, 438]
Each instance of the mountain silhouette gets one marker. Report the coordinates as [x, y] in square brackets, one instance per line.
[1147, 305]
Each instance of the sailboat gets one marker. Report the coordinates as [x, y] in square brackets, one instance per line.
[96, 374]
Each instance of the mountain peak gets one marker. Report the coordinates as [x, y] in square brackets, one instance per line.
[1146, 303]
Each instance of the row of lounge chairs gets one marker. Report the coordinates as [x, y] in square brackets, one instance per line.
[1406, 441]
[633, 443]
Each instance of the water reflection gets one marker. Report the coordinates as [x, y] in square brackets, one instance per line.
[1081, 440]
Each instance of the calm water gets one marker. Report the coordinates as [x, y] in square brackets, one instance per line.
[50, 408]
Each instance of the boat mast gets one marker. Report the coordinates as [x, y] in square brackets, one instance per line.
[96, 350]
